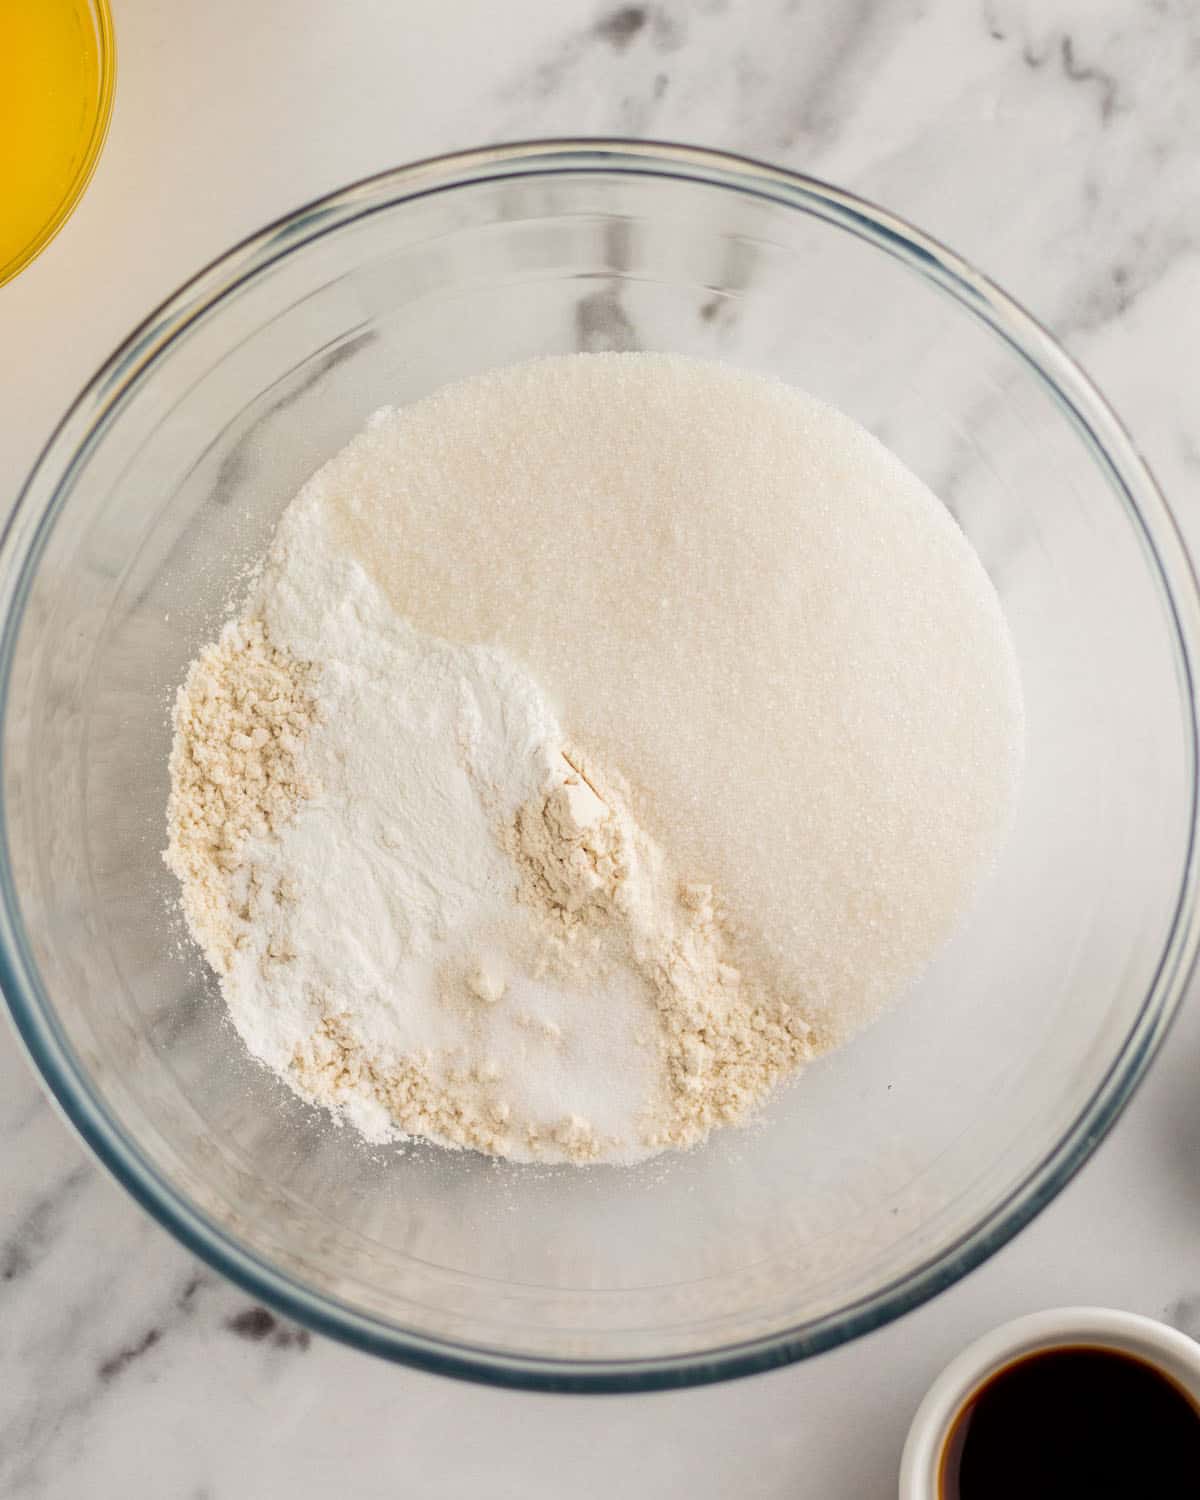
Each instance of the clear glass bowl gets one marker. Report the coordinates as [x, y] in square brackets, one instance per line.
[890, 1168]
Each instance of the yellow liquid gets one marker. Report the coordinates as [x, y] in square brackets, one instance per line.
[55, 89]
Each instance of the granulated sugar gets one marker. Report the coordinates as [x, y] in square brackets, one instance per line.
[626, 729]
[739, 598]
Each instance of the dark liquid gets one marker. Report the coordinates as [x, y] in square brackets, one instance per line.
[1087, 1422]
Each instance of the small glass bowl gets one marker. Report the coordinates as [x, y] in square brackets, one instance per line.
[95, 18]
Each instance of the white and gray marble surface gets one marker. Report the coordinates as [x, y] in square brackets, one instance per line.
[1054, 142]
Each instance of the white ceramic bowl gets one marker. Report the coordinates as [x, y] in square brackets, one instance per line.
[1164, 1348]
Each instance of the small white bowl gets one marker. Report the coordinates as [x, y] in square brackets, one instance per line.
[1176, 1355]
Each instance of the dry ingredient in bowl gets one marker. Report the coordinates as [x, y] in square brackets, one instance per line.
[602, 738]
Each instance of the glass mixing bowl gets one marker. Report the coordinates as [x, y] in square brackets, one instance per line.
[888, 1169]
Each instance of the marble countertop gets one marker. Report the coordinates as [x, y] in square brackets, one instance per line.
[1055, 144]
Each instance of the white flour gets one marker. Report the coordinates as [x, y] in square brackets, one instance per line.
[378, 923]
[434, 913]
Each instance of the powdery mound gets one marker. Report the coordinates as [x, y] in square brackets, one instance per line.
[433, 913]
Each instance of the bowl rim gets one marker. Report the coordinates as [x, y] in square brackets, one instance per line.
[27, 527]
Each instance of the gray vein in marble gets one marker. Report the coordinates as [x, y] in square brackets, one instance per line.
[117, 1362]
[28, 1240]
[629, 34]
[1184, 1314]
[1076, 72]
[722, 306]
[179, 1308]
[38, 1426]
[258, 1326]
[602, 322]
[21, 1110]
[25, 1440]
[1133, 217]
[991, 19]
[838, 61]
[616, 29]
[620, 27]
[1144, 262]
